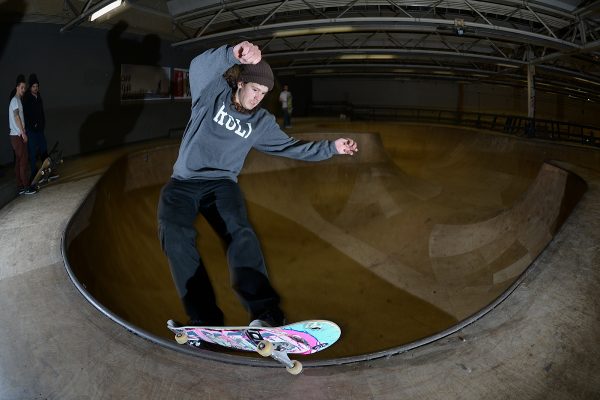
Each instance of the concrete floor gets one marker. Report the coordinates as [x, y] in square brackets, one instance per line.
[541, 342]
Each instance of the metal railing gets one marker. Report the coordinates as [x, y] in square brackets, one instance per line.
[509, 124]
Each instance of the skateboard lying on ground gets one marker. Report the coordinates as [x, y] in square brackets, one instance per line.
[306, 337]
[44, 174]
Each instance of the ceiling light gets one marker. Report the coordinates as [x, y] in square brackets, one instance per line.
[367, 57]
[508, 65]
[107, 8]
[314, 31]
[587, 81]
[459, 25]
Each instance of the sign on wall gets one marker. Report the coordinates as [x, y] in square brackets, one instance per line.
[181, 83]
[145, 82]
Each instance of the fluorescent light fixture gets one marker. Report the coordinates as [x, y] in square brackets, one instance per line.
[314, 31]
[587, 81]
[107, 8]
[367, 57]
[508, 65]
[578, 90]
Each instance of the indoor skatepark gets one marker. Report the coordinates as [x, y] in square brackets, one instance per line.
[542, 335]
[460, 263]
[406, 256]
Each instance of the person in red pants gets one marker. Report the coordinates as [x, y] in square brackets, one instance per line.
[18, 137]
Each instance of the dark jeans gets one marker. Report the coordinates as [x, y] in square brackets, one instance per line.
[222, 204]
[36, 144]
[287, 118]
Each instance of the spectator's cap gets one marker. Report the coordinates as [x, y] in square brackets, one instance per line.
[20, 79]
[33, 80]
[260, 73]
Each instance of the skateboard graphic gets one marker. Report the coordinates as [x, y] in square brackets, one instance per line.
[44, 174]
[306, 337]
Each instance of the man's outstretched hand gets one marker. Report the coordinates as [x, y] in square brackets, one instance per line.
[346, 146]
[247, 53]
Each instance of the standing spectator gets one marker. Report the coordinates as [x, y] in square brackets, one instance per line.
[18, 136]
[285, 97]
[33, 109]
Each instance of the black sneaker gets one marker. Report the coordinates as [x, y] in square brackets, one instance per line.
[195, 322]
[269, 319]
[199, 322]
[29, 190]
[174, 324]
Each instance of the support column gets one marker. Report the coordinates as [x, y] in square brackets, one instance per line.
[531, 91]
[530, 130]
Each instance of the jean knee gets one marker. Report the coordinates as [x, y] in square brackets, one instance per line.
[173, 236]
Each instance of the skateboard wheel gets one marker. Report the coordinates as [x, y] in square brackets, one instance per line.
[181, 338]
[264, 348]
[296, 368]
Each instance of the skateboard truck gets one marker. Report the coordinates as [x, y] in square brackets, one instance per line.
[266, 349]
[263, 347]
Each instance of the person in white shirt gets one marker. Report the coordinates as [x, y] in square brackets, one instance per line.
[285, 98]
[18, 137]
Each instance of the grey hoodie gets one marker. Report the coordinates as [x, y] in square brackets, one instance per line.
[217, 138]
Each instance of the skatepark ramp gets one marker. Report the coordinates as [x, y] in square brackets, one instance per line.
[397, 257]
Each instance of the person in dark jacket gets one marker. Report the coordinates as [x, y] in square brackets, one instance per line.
[226, 123]
[35, 122]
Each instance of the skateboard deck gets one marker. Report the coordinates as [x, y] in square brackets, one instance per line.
[48, 165]
[305, 337]
[44, 169]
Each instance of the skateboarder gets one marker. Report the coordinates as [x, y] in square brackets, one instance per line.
[226, 122]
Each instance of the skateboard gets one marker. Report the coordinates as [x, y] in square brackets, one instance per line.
[50, 163]
[305, 337]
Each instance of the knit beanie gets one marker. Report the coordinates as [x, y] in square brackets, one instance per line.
[20, 79]
[33, 80]
[257, 73]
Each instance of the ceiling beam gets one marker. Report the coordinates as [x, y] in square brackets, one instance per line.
[586, 48]
[379, 24]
